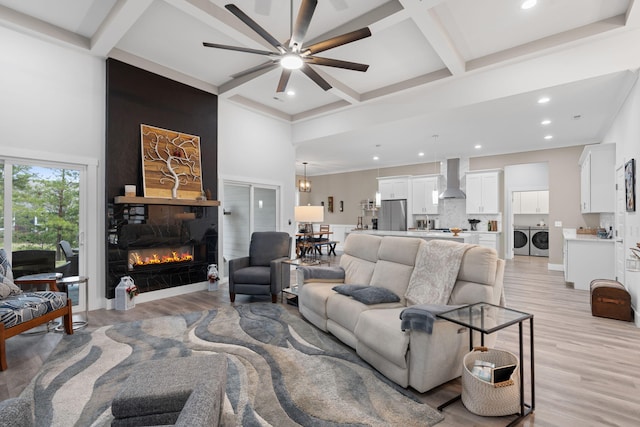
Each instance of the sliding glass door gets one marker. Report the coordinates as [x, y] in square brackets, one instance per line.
[246, 208]
[41, 208]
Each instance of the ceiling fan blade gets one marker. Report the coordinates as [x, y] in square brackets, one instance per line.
[355, 66]
[310, 72]
[302, 24]
[254, 26]
[284, 79]
[338, 41]
[240, 49]
[263, 66]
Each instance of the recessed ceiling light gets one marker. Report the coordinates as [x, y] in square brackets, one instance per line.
[376, 158]
[421, 154]
[291, 92]
[544, 100]
[545, 122]
[528, 4]
[548, 137]
[477, 146]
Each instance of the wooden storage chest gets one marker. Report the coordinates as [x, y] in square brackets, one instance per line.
[610, 299]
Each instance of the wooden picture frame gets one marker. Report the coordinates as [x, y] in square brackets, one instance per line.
[171, 165]
[630, 185]
[330, 204]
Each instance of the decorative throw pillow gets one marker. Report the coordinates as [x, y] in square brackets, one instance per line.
[7, 287]
[5, 266]
[374, 295]
[348, 290]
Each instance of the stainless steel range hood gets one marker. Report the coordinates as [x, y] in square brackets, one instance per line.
[453, 190]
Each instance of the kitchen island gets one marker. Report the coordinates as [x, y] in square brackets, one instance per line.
[424, 234]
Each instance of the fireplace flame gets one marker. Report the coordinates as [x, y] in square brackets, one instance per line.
[155, 258]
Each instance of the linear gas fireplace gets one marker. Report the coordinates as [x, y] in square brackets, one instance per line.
[159, 257]
[161, 246]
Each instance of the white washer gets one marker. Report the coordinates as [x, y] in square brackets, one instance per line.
[539, 241]
[520, 240]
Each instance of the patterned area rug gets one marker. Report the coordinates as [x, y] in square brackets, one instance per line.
[282, 371]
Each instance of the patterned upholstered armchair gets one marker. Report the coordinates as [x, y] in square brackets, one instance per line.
[21, 311]
[261, 272]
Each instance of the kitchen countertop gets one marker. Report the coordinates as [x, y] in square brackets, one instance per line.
[466, 237]
[570, 235]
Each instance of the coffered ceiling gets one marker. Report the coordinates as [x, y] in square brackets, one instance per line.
[468, 71]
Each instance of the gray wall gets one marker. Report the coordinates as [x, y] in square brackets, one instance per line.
[564, 189]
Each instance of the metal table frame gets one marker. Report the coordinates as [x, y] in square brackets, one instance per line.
[518, 317]
[77, 280]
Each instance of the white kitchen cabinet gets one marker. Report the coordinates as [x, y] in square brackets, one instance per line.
[483, 192]
[393, 188]
[490, 240]
[422, 190]
[530, 202]
[597, 178]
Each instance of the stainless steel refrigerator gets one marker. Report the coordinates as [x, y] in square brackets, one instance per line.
[393, 215]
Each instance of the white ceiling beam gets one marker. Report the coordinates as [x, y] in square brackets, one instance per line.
[27, 24]
[222, 20]
[378, 19]
[431, 27]
[233, 86]
[120, 19]
[578, 61]
[632, 18]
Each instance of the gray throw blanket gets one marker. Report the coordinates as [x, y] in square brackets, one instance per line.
[422, 316]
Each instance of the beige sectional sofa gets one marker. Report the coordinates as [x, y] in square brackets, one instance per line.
[413, 357]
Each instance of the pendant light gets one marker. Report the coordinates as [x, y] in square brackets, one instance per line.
[304, 185]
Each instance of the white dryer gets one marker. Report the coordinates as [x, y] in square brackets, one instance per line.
[520, 240]
[539, 245]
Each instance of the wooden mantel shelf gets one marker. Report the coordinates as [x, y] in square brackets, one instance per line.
[120, 200]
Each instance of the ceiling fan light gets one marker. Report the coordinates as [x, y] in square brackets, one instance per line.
[291, 61]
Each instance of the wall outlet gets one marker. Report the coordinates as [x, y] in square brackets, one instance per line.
[558, 223]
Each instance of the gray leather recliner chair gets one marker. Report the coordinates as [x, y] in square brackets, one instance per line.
[261, 273]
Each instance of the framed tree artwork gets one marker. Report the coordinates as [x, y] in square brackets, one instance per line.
[171, 163]
[630, 184]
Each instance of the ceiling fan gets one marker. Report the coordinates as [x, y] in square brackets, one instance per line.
[293, 55]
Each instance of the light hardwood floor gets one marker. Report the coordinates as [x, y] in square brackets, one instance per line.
[587, 368]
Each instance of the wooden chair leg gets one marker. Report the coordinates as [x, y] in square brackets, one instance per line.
[3, 350]
[274, 298]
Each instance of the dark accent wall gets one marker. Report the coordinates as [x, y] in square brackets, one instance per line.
[135, 97]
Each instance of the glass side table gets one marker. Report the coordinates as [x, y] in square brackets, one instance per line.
[78, 280]
[489, 318]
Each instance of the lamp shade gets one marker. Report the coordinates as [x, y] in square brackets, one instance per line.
[309, 214]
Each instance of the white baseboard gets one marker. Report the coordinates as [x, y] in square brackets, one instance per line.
[555, 267]
[165, 293]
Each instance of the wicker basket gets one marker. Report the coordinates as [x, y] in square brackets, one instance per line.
[485, 398]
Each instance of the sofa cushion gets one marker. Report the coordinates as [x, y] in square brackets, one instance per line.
[392, 276]
[357, 270]
[480, 265]
[253, 275]
[374, 295]
[20, 308]
[380, 330]
[345, 311]
[362, 246]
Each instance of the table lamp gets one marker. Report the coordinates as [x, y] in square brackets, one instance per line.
[307, 215]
